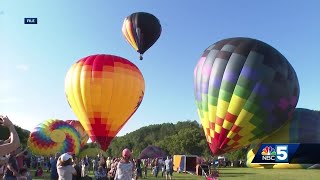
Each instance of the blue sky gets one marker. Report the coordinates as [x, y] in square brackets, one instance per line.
[35, 58]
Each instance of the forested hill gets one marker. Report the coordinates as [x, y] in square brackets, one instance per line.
[181, 138]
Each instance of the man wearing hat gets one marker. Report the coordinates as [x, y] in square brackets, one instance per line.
[65, 168]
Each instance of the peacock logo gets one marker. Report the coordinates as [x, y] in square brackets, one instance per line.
[268, 151]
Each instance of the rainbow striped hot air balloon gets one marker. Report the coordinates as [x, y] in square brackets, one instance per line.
[245, 90]
[104, 91]
[84, 137]
[304, 127]
[54, 136]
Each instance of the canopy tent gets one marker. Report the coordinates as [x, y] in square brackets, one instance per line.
[152, 152]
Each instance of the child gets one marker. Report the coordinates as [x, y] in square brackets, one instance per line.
[100, 173]
[39, 172]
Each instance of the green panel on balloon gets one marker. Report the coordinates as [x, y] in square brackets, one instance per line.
[245, 83]
[256, 121]
[213, 100]
[214, 92]
[204, 104]
[224, 95]
[241, 92]
[227, 86]
[250, 107]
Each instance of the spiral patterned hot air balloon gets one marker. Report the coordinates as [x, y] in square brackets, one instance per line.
[304, 127]
[104, 91]
[84, 137]
[54, 136]
[245, 90]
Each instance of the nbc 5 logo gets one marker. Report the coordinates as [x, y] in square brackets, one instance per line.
[282, 153]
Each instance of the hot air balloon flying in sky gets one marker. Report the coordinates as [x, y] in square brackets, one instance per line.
[304, 127]
[104, 91]
[141, 30]
[245, 90]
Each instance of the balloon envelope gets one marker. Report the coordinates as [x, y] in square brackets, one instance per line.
[141, 30]
[54, 136]
[303, 128]
[104, 91]
[84, 137]
[245, 90]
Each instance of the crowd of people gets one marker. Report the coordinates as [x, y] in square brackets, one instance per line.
[67, 166]
[16, 162]
[11, 162]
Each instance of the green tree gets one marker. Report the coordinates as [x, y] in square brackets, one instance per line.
[237, 154]
[184, 137]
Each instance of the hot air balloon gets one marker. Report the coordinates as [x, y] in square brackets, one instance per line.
[303, 128]
[54, 136]
[84, 137]
[104, 91]
[141, 30]
[245, 90]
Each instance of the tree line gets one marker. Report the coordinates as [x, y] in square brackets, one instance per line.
[183, 137]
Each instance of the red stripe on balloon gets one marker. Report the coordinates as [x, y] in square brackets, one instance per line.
[230, 117]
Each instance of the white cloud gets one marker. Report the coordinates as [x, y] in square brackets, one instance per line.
[23, 67]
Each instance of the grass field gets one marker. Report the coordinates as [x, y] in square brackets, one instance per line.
[245, 173]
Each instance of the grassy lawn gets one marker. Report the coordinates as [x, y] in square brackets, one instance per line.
[268, 174]
[244, 173]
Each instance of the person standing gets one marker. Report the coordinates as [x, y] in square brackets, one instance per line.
[12, 168]
[20, 157]
[3, 161]
[145, 168]
[108, 164]
[64, 167]
[125, 167]
[84, 169]
[156, 167]
[14, 143]
[77, 168]
[94, 165]
[139, 167]
[54, 173]
[169, 167]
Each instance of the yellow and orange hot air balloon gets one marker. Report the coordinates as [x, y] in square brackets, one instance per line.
[104, 91]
